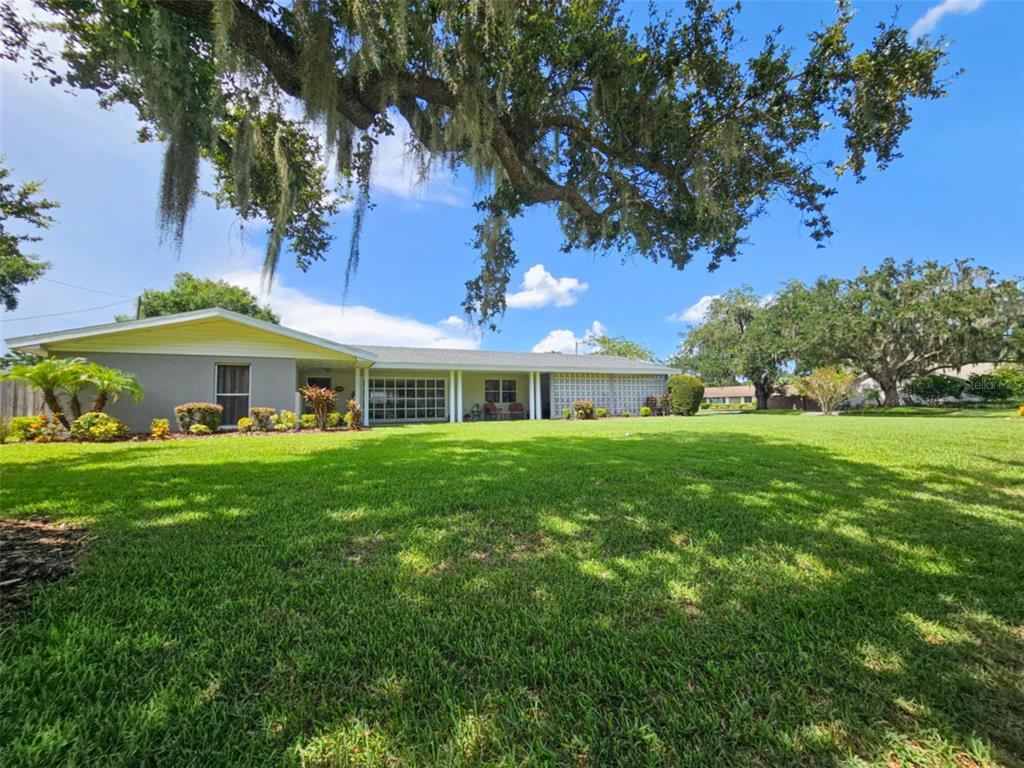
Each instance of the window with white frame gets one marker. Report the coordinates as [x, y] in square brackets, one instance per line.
[717, 400]
[233, 392]
[500, 390]
[407, 399]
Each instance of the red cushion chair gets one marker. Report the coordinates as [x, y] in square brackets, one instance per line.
[516, 411]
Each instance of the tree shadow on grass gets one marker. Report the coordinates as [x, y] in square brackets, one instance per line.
[678, 598]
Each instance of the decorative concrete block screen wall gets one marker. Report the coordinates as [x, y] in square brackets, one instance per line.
[616, 392]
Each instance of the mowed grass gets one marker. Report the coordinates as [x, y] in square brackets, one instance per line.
[725, 590]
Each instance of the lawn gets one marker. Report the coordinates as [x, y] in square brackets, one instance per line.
[705, 591]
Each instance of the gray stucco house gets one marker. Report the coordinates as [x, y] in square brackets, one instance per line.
[214, 355]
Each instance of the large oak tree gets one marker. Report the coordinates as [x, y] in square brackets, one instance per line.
[663, 142]
[904, 320]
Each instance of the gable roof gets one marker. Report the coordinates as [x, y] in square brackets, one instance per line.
[204, 325]
[219, 331]
[483, 360]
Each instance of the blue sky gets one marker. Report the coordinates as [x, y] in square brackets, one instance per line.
[958, 192]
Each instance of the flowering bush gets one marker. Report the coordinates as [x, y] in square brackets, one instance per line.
[190, 414]
[245, 424]
[645, 410]
[160, 428]
[94, 427]
[321, 400]
[200, 429]
[285, 421]
[28, 427]
[262, 418]
[354, 415]
[584, 409]
[308, 421]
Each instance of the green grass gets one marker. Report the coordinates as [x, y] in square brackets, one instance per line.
[708, 591]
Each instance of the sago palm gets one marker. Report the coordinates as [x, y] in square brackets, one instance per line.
[110, 383]
[50, 376]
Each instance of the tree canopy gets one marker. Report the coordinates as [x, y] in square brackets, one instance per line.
[903, 320]
[620, 346]
[663, 142]
[742, 336]
[189, 293]
[20, 203]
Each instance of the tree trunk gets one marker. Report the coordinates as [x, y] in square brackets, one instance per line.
[54, 405]
[100, 401]
[761, 392]
[890, 392]
[76, 405]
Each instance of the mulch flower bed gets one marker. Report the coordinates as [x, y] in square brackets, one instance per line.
[34, 550]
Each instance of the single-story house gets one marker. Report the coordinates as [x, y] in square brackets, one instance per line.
[213, 355]
[741, 394]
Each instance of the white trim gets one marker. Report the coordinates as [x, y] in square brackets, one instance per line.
[533, 391]
[458, 400]
[525, 368]
[106, 329]
[451, 397]
[366, 397]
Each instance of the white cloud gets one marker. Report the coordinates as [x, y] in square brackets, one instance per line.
[565, 341]
[357, 324]
[933, 15]
[540, 288]
[395, 172]
[694, 313]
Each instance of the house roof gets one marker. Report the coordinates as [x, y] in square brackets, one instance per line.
[484, 360]
[737, 390]
[180, 333]
[96, 337]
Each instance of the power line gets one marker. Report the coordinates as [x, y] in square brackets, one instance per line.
[72, 312]
[82, 287]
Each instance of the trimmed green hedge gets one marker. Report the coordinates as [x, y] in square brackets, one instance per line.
[685, 394]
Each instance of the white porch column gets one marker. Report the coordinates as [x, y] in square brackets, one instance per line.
[451, 397]
[533, 396]
[355, 389]
[538, 397]
[458, 398]
[366, 396]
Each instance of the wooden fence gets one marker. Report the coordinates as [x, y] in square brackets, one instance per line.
[18, 399]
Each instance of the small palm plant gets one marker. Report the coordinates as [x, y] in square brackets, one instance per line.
[110, 384]
[50, 376]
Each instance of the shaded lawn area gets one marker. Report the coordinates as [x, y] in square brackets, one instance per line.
[743, 591]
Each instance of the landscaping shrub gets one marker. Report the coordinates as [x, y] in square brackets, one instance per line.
[321, 400]
[625, 414]
[685, 394]
[828, 386]
[94, 427]
[728, 406]
[566, 412]
[200, 429]
[286, 421]
[584, 409]
[308, 421]
[245, 424]
[262, 418]
[1001, 384]
[190, 414]
[602, 412]
[5, 430]
[660, 405]
[1020, 410]
[28, 427]
[333, 419]
[645, 410]
[160, 428]
[354, 415]
[936, 387]
[38, 429]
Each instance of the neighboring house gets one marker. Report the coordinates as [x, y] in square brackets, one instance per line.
[740, 394]
[214, 355]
